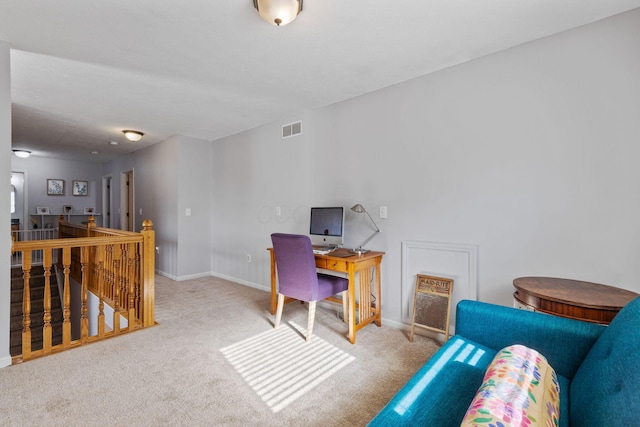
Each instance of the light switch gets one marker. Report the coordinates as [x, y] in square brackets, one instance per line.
[187, 212]
[383, 212]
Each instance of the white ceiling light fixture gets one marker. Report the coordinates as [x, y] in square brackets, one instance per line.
[23, 154]
[278, 12]
[133, 135]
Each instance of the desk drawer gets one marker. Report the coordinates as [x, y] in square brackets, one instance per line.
[336, 265]
[321, 263]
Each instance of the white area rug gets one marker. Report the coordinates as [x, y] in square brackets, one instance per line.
[280, 366]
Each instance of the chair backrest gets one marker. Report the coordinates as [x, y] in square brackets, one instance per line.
[606, 388]
[296, 266]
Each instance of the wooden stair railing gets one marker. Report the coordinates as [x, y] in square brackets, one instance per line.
[39, 281]
[114, 266]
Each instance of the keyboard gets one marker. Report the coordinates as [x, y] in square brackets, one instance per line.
[323, 250]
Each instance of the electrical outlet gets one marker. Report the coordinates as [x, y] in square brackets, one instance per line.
[248, 257]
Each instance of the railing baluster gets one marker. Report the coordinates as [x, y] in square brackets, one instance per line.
[46, 327]
[26, 306]
[124, 278]
[117, 260]
[102, 253]
[110, 276]
[66, 299]
[131, 289]
[84, 309]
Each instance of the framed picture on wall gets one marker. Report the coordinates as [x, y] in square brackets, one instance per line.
[55, 187]
[42, 210]
[89, 210]
[67, 209]
[80, 188]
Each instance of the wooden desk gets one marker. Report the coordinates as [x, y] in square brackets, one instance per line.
[591, 302]
[367, 266]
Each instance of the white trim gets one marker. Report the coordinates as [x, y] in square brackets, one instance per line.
[432, 261]
[243, 282]
[5, 361]
[183, 278]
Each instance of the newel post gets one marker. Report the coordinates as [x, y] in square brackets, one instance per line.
[148, 273]
[91, 224]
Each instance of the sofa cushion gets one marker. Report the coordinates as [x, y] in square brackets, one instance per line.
[440, 392]
[606, 388]
[520, 388]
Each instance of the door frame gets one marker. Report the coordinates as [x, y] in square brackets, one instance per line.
[107, 201]
[127, 201]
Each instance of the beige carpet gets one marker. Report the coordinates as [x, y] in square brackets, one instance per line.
[280, 366]
[175, 374]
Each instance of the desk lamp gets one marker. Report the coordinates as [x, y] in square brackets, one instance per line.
[360, 209]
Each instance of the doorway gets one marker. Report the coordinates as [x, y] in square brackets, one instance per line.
[19, 209]
[107, 201]
[126, 201]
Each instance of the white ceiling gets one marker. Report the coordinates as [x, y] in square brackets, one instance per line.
[84, 70]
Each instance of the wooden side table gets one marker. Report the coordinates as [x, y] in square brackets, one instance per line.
[575, 299]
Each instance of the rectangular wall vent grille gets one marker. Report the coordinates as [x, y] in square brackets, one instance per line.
[292, 129]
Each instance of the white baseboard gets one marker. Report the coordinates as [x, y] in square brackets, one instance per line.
[183, 278]
[5, 361]
[242, 282]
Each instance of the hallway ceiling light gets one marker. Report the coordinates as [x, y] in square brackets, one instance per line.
[278, 12]
[23, 154]
[132, 135]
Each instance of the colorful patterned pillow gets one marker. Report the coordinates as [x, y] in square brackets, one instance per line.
[520, 388]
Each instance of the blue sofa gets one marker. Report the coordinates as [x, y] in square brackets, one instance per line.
[598, 367]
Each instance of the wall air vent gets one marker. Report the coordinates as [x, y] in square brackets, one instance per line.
[292, 129]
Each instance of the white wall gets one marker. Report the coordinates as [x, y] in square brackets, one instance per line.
[530, 154]
[168, 178]
[39, 169]
[194, 193]
[5, 169]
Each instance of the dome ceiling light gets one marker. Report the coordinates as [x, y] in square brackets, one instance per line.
[23, 154]
[278, 12]
[132, 135]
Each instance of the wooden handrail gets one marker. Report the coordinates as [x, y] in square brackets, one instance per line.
[114, 267]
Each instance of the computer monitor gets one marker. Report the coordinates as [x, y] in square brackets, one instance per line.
[327, 226]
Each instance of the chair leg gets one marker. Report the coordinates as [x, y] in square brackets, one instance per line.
[312, 315]
[345, 306]
[279, 311]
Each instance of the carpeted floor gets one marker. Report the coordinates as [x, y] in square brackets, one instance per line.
[178, 373]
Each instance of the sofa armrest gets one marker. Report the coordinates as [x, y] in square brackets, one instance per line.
[564, 342]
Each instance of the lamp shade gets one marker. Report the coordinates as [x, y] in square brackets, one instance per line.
[358, 208]
[278, 12]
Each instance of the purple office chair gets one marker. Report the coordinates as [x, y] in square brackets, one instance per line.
[298, 278]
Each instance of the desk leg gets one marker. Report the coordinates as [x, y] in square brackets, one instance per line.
[352, 304]
[378, 295]
[274, 293]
